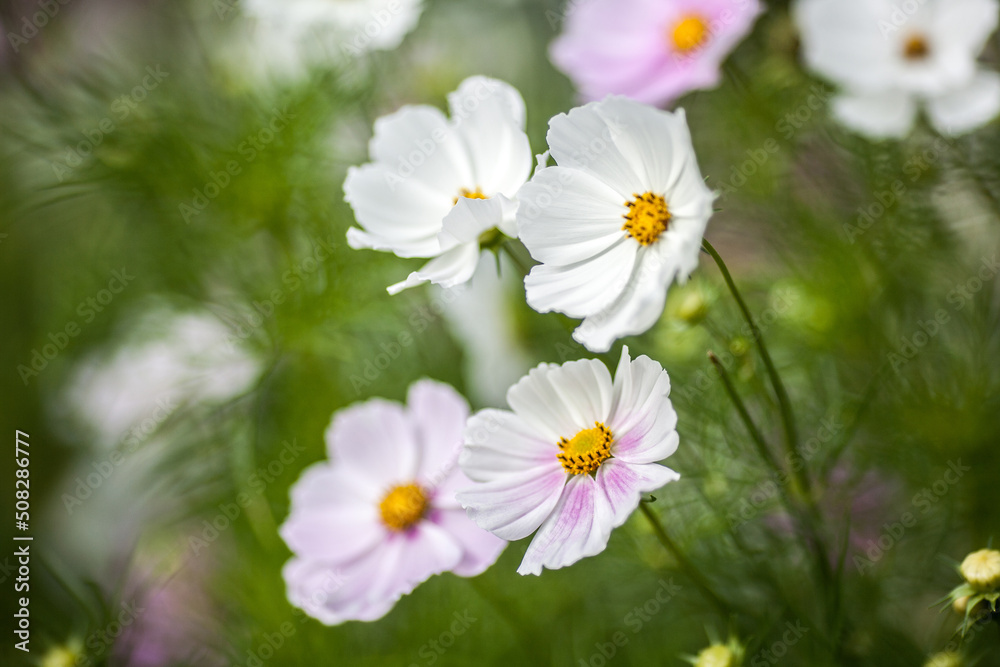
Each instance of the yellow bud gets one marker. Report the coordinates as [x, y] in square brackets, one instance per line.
[716, 656]
[61, 656]
[693, 308]
[946, 659]
[982, 569]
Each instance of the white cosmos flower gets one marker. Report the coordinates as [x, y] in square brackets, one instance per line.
[573, 458]
[617, 221]
[892, 59]
[356, 26]
[435, 185]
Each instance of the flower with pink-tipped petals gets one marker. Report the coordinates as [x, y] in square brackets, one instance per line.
[653, 51]
[381, 518]
[573, 457]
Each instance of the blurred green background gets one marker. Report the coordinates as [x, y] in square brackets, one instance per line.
[885, 329]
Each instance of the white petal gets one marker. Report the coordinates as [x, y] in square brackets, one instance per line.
[404, 212]
[656, 143]
[560, 401]
[641, 387]
[967, 22]
[452, 268]
[514, 507]
[879, 116]
[499, 443]
[966, 109]
[848, 41]
[417, 142]
[584, 139]
[490, 118]
[578, 527]
[637, 309]
[567, 216]
[624, 483]
[585, 288]
[425, 247]
[374, 440]
[469, 218]
[439, 414]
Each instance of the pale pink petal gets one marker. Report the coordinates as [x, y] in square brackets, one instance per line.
[643, 419]
[498, 443]
[480, 549]
[514, 506]
[334, 594]
[579, 526]
[374, 440]
[412, 557]
[336, 533]
[624, 483]
[438, 413]
[560, 401]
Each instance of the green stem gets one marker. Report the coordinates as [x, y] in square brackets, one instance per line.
[787, 416]
[741, 408]
[689, 569]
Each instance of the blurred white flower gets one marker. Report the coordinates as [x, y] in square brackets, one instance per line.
[617, 221]
[481, 317]
[892, 59]
[356, 26]
[573, 458]
[169, 359]
[436, 186]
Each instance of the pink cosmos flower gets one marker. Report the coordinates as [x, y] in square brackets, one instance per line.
[653, 51]
[381, 518]
[573, 458]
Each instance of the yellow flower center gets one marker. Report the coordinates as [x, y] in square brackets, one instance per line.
[403, 506]
[587, 450]
[916, 48]
[982, 569]
[470, 194]
[647, 218]
[690, 33]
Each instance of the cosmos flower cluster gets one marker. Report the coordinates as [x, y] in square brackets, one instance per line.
[613, 213]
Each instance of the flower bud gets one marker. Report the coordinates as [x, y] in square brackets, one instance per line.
[717, 655]
[982, 569]
[946, 659]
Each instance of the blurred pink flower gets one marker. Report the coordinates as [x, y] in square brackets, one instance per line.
[653, 51]
[382, 518]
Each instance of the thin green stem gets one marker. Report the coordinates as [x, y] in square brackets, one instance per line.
[758, 439]
[686, 565]
[787, 416]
